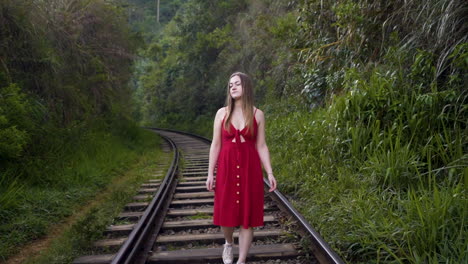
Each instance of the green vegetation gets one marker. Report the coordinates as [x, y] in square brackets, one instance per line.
[175, 81]
[143, 16]
[65, 127]
[76, 239]
[199, 216]
[82, 171]
[365, 100]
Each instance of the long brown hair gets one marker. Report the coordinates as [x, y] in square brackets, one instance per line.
[247, 102]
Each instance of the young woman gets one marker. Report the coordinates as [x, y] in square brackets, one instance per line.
[239, 148]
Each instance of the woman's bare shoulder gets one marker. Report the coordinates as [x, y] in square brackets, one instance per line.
[220, 113]
[259, 115]
[258, 111]
[222, 110]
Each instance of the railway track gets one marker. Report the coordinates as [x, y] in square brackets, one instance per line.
[170, 220]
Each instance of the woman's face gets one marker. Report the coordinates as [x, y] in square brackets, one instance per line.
[235, 87]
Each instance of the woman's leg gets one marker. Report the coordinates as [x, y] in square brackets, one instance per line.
[245, 240]
[228, 256]
[228, 231]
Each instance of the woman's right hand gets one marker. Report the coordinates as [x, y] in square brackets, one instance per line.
[209, 183]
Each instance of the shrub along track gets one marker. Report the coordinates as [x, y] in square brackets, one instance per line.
[170, 220]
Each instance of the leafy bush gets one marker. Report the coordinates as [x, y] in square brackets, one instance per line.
[14, 121]
[64, 99]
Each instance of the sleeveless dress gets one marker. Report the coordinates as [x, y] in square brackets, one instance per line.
[239, 180]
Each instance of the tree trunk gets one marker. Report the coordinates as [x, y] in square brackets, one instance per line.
[157, 16]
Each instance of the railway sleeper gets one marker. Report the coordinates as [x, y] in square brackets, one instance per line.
[196, 240]
[119, 230]
[201, 223]
[185, 202]
[147, 190]
[136, 215]
[194, 178]
[196, 161]
[213, 255]
[193, 195]
[193, 202]
[155, 180]
[130, 216]
[136, 206]
[208, 216]
[143, 197]
[189, 167]
[198, 169]
[190, 183]
[150, 185]
[195, 173]
[203, 239]
[206, 210]
[94, 259]
[187, 189]
[110, 243]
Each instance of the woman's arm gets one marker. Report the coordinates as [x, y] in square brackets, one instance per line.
[262, 149]
[214, 148]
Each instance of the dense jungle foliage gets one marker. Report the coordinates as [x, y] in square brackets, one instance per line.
[65, 124]
[366, 108]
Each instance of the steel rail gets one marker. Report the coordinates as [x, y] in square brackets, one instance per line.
[181, 132]
[128, 252]
[325, 254]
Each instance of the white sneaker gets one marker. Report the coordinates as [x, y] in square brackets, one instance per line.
[228, 256]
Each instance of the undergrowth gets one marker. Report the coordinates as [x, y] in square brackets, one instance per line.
[76, 167]
[77, 239]
[381, 170]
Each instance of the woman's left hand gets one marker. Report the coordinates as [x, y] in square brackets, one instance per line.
[272, 181]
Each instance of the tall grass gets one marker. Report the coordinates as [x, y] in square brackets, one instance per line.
[9, 190]
[75, 167]
[381, 170]
[88, 224]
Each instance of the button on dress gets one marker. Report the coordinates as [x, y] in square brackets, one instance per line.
[239, 180]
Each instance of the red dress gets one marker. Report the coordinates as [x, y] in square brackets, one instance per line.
[239, 180]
